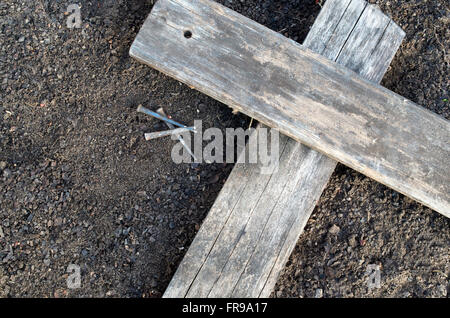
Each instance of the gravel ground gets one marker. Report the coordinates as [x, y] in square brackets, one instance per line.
[79, 185]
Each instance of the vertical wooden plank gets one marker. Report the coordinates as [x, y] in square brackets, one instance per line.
[326, 25]
[316, 171]
[341, 32]
[219, 227]
[209, 231]
[382, 54]
[244, 225]
[255, 254]
[355, 51]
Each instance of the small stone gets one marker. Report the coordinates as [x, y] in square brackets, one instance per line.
[2, 235]
[5, 291]
[9, 255]
[406, 294]
[46, 261]
[214, 179]
[153, 283]
[3, 165]
[334, 230]
[352, 241]
[58, 221]
[7, 173]
[362, 242]
[441, 291]
[21, 39]
[319, 293]
[201, 107]
[142, 194]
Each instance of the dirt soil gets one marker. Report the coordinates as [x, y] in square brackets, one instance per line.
[79, 184]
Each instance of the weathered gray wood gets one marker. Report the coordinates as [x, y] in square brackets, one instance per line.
[280, 207]
[334, 27]
[241, 226]
[309, 98]
[247, 269]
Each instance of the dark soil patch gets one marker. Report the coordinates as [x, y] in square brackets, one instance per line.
[79, 185]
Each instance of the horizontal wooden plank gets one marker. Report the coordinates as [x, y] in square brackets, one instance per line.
[309, 98]
[213, 266]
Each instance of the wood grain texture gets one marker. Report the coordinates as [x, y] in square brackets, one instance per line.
[334, 27]
[282, 207]
[306, 96]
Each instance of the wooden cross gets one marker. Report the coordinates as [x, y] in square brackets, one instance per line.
[331, 107]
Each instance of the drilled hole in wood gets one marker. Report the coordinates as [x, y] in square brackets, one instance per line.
[187, 34]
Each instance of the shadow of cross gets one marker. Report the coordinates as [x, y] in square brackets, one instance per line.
[255, 222]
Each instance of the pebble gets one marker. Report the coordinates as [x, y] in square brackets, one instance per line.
[2, 235]
[362, 242]
[2, 165]
[5, 291]
[126, 231]
[7, 173]
[319, 293]
[352, 241]
[334, 230]
[58, 221]
[442, 291]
